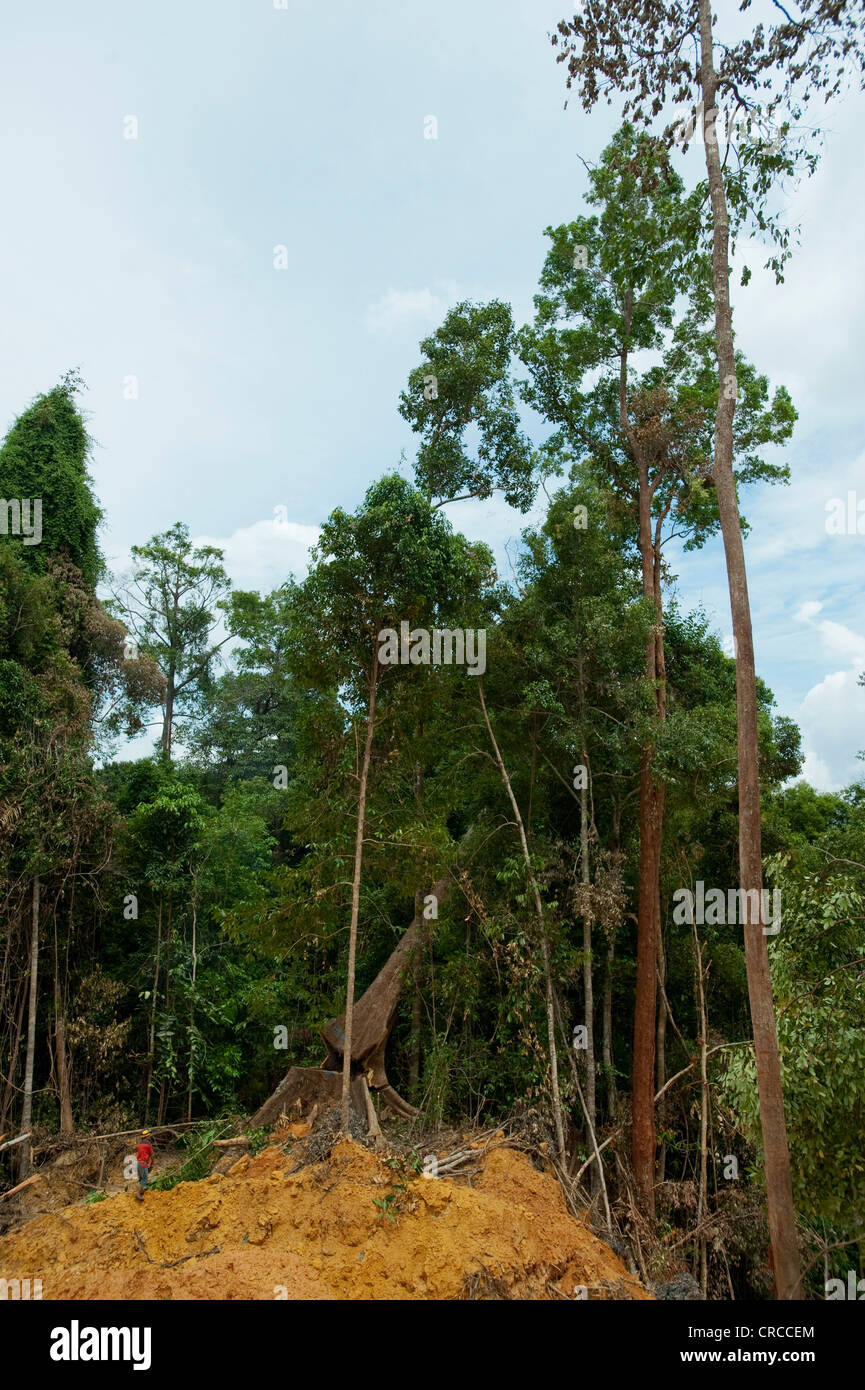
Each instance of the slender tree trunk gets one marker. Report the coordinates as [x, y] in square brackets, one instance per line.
[599, 1181]
[355, 894]
[545, 948]
[151, 1056]
[27, 1106]
[416, 1002]
[168, 714]
[650, 813]
[534, 769]
[588, 993]
[13, 1057]
[650, 821]
[607, 1043]
[660, 1057]
[645, 1002]
[192, 1014]
[67, 1124]
[418, 955]
[702, 1197]
[779, 1189]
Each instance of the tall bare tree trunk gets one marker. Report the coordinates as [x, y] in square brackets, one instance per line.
[27, 1106]
[355, 894]
[779, 1189]
[545, 947]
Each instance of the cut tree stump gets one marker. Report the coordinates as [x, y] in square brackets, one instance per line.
[374, 1015]
[304, 1087]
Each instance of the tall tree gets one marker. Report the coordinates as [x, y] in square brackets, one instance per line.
[247, 725]
[460, 400]
[169, 605]
[44, 459]
[61, 654]
[652, 50]
[610, 290]
[394, 561]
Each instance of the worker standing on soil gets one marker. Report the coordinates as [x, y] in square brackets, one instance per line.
[145, 1162]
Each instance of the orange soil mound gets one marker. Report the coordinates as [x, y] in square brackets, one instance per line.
[260, 1233]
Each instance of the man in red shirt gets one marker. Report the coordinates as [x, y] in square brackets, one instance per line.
[145, 1162]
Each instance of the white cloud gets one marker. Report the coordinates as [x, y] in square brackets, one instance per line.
[263, 555]
[398, 307]
[816, 773]
[809, 610]
[832, 714]
[837, 639]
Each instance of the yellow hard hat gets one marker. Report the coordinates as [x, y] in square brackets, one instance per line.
[145, 1131]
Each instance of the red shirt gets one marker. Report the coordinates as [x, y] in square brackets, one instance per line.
[145, 1153]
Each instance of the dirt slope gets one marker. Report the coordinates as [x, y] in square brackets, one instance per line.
[260, 1232]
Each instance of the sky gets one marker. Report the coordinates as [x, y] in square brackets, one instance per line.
[155, 157]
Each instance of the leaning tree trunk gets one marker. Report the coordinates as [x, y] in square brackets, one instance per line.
[355, 895]
[779, 1190]
[27, 1106]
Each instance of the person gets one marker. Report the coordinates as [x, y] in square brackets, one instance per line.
[145, 1162]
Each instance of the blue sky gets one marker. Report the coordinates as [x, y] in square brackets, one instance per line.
[261, 388]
